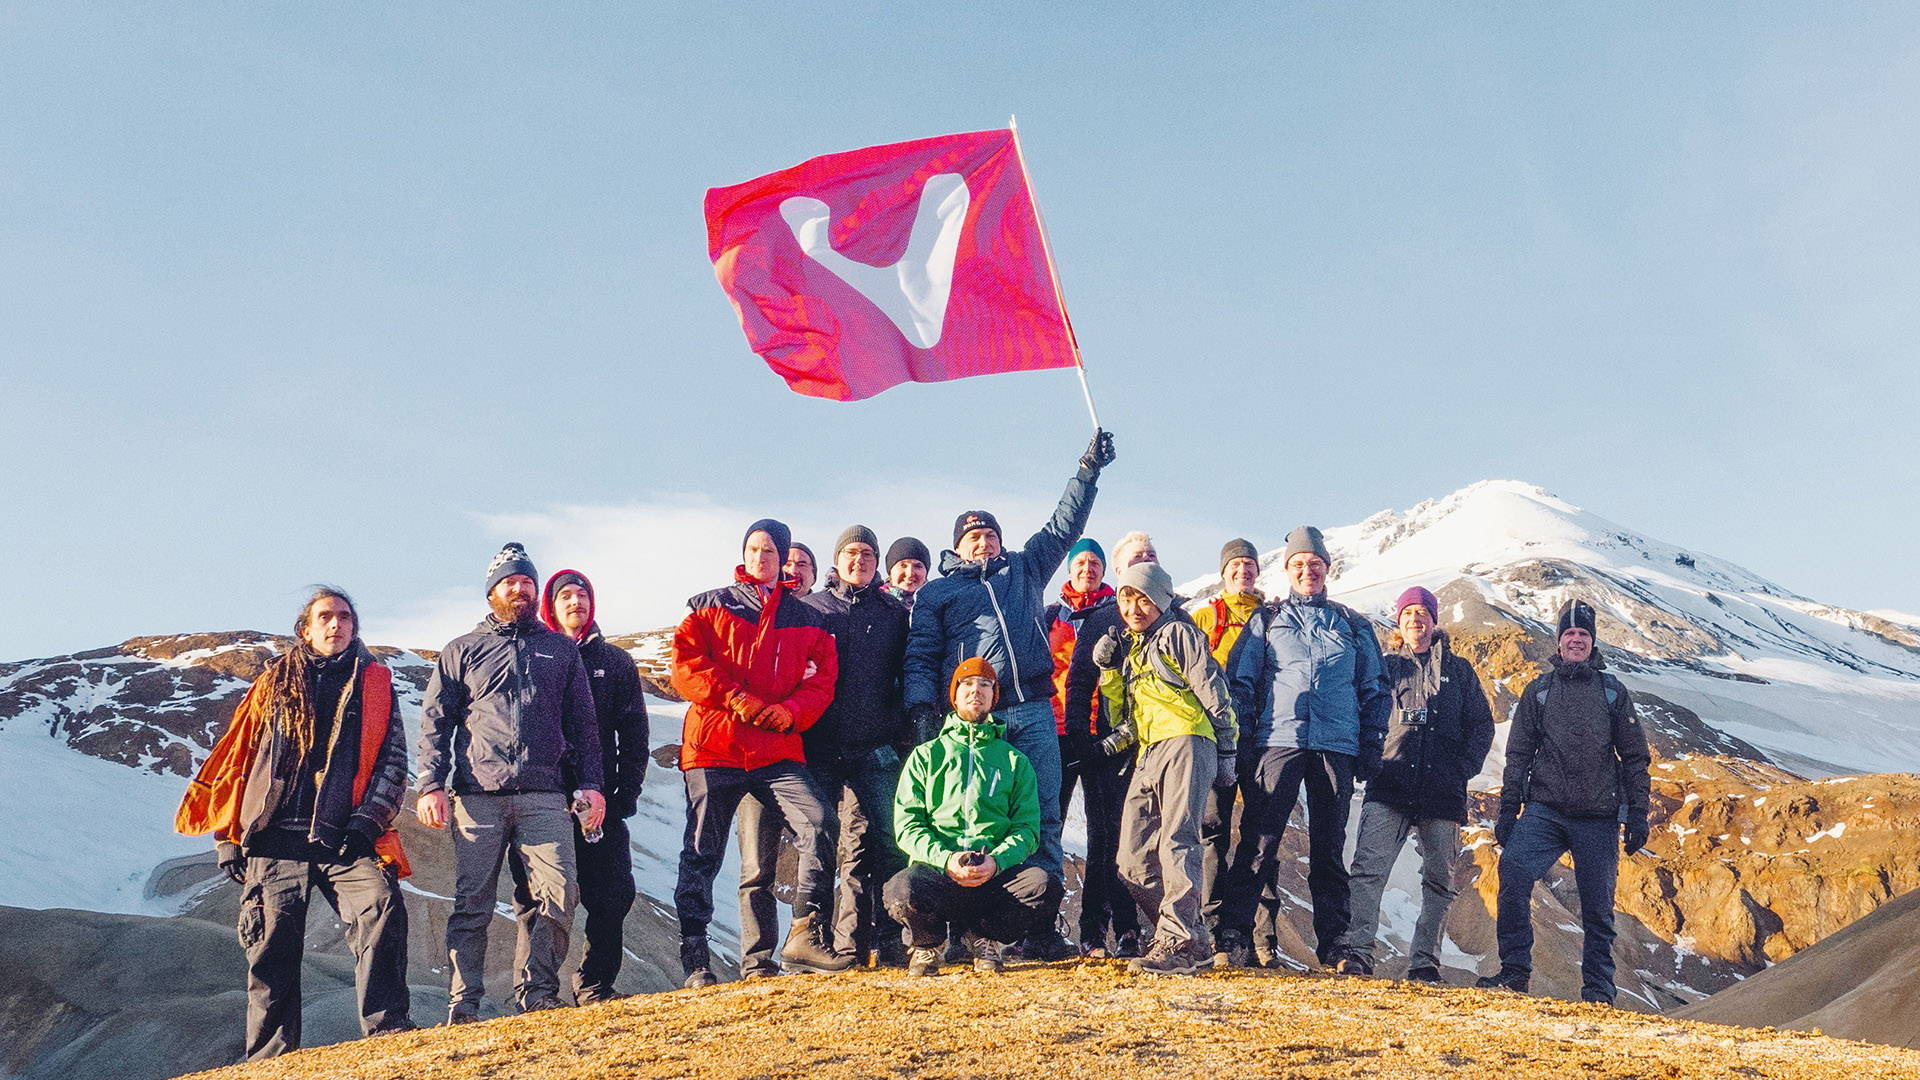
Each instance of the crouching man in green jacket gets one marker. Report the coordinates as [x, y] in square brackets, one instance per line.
[967, 816]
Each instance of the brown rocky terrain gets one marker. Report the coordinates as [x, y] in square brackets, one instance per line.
[1088, 1019]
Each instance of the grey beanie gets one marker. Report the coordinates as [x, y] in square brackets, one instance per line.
[856, 534]
[1238, 548]
[1150, 578]
[511, 560]
[1306, 538]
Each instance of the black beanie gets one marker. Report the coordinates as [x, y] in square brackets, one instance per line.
[975, 519]
[1576, 615]
[511, 560]
[908, 548]
[1238, 549]
[855, 534]
[782, 536]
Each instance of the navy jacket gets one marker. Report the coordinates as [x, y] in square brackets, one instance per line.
[869, 629]
[1307, 673]
[1438, 735]
[508, 709]
[994, 609]
[621, 709]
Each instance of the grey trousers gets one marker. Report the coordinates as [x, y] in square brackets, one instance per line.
[535, 825]
[1161, 858]
[273, 930]
[1383, 832]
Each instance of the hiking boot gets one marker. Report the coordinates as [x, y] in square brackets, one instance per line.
[807, 949]
[458, 1015]
[1594, 999]
[760, 973]
[1233, 950]
[1513, 978]
[595, 995]
[890, 954]
[697, 962]
[1166, 958]
[1354, 964]
[988, 954]
[1127, 946]
[1093, 950]
[543, 1004]
[1424, 975]
[1048, 947]
[923, 961]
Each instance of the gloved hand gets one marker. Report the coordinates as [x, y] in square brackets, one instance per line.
[1099, 453]
[232, 860]
[1077, 749]
[1110, 649]
[924, 720]
[354, 846]
[1503, 829]
[1637, 834]
[745, 706]
[776, 718]
[1227, 774]
[1368, 764]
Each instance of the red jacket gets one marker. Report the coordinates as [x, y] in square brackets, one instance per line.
[777, 651]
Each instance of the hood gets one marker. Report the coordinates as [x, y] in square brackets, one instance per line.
[968, 731]
[1083, 601]
[951, 563]
[546, 604]
[1396, 643]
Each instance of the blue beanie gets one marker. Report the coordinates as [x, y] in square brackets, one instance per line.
[512, 560]
[1086, 543]
[781, 535]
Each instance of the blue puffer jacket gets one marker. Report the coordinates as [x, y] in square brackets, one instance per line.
[1308, 673]
[994, 610]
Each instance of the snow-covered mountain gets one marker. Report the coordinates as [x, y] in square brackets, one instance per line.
[1822, 689]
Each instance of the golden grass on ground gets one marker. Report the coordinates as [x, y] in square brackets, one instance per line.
[1086, 1020]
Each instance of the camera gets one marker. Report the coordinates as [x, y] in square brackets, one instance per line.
[973, 858]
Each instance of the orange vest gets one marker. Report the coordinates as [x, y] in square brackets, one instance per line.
[212, 802]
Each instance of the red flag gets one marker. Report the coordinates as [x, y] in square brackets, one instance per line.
[919, 261]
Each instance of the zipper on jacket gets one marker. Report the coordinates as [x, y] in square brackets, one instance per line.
[1005, 635]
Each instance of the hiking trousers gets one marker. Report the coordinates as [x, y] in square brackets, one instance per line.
[365, 893]
[1271, 789]
[536, 826]
[713, 796]
[861, 786]
[1161, 859]
[1103, 781]
[1384, 829]
[1539, 838]
[1004, 909]
[758, 826]
[607, 893]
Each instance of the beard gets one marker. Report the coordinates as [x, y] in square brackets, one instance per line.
[512, 609]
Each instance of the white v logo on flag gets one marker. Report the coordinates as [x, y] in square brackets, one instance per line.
[912, 292]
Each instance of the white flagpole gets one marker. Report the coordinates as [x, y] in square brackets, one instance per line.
[1046, 248]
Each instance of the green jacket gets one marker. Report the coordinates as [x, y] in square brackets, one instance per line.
[967, 790]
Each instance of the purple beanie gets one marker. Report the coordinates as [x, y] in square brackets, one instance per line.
[1417, 595]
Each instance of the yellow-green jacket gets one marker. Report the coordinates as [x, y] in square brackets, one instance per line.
[1222, 619]
[1170, 685]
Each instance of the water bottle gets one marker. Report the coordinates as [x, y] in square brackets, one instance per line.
[581, 807]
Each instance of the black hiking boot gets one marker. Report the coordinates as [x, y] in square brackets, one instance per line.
[1354, 964]
[1510, 977]
[1233, 950]
[697, 962]
[1425, 975]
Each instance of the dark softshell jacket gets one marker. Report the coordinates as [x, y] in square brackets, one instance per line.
[1438, 734]
[621, 709]
[508, 709]
[869, 629]
[1576, 745]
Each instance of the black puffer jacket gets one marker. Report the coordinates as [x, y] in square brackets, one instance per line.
[1437, 736]
[1576, 745]
[869, 628]
[508, 709]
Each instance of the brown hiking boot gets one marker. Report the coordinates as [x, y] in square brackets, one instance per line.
[807, 949]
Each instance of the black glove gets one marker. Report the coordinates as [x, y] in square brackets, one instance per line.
[1077, 750]
[1226, 774]
[1110, 649]
[1368, 764]
[1503, 829]
[232, 860]
[355, 845]
[1099, 453]
[1637, 834]
[924, 721]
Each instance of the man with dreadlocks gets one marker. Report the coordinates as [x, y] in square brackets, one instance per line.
[300, 794]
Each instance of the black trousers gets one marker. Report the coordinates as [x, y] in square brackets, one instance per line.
[713, 794]
[1103, 784]
[925, 900]
[862, 787]
[606, 891]
[1218, 827]
[1271, 792]
[273, 930]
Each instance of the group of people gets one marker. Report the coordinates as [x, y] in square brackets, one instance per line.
[918, 738]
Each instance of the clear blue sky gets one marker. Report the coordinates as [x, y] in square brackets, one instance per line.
[355, 292]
